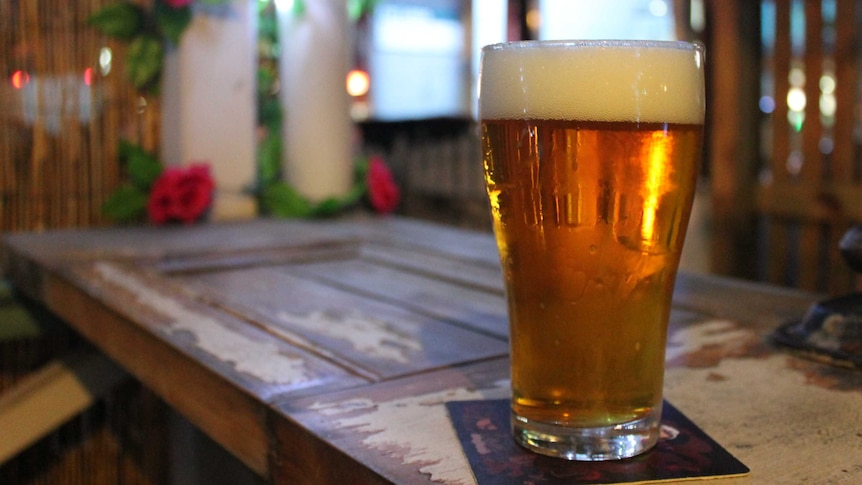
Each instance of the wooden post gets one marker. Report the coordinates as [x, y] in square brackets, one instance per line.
[733, 73]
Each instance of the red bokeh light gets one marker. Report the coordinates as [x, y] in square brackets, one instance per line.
[20, 79]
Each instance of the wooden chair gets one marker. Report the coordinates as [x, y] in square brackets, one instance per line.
[785, 178]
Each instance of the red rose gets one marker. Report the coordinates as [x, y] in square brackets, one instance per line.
[181, 194]
[178, 3]
[382, 189]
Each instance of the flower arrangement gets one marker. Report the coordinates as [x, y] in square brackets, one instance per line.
[184, 194]
[373, 184]
[163, 195]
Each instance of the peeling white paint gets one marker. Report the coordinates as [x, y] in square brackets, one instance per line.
[370, 336]
[773, 418]
[259, 359]
[711, 332]
[417, 428]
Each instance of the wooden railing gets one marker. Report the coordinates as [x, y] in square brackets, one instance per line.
[784, 137]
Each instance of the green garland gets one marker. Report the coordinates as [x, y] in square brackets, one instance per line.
[148, 33]
[129, 202]
[275, 197]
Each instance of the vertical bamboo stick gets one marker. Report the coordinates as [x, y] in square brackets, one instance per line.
[35, 214]
[7, 100]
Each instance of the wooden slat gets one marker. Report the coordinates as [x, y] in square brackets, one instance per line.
[776, 257]
[844, 162]
[845, 91]
[814, 204]
[811, 172]
[482, 274]
[478, 309]
[811, 240]
[732, 87]
[368, 337]
[362, 423]
[781, 61]
[51, 396]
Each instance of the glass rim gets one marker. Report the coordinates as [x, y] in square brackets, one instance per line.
[611, 43]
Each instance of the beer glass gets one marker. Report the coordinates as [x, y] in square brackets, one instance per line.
[591, 152]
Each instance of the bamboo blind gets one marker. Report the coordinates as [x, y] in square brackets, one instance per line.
[810, 189]
[58, 134]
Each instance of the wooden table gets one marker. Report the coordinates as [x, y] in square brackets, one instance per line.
[323, 352]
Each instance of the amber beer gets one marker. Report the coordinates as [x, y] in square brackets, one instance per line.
[591, 153]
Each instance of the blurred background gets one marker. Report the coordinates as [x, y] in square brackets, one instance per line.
[780, 179]
[781, 163]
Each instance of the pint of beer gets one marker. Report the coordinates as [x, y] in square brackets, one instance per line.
[591, 153]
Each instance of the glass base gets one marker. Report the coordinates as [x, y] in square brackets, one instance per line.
[588, 444]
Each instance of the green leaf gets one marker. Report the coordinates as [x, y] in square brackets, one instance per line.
[328, 207]
[143, 167]
[144, 62]
[126, 204]
[127, 149]
[298, 8]
[121, 20]
[358, 8]
[269, 158]
[172, 21]
[334, 205]
[214, 2]
[269, 114]
[267, 26]
[282, 200]
[360, 169]
[266, 82]
[18, 324]
[356, 192]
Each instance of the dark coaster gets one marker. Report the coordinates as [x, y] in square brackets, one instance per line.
[684, 452]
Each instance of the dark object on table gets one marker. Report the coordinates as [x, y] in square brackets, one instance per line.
[831, 330]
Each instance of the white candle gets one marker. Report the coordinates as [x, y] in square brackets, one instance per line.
[209, 105]
[317, 158]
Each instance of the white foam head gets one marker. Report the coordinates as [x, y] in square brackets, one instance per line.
[641, 81]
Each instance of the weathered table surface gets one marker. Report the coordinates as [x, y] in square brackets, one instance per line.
[323, 352]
